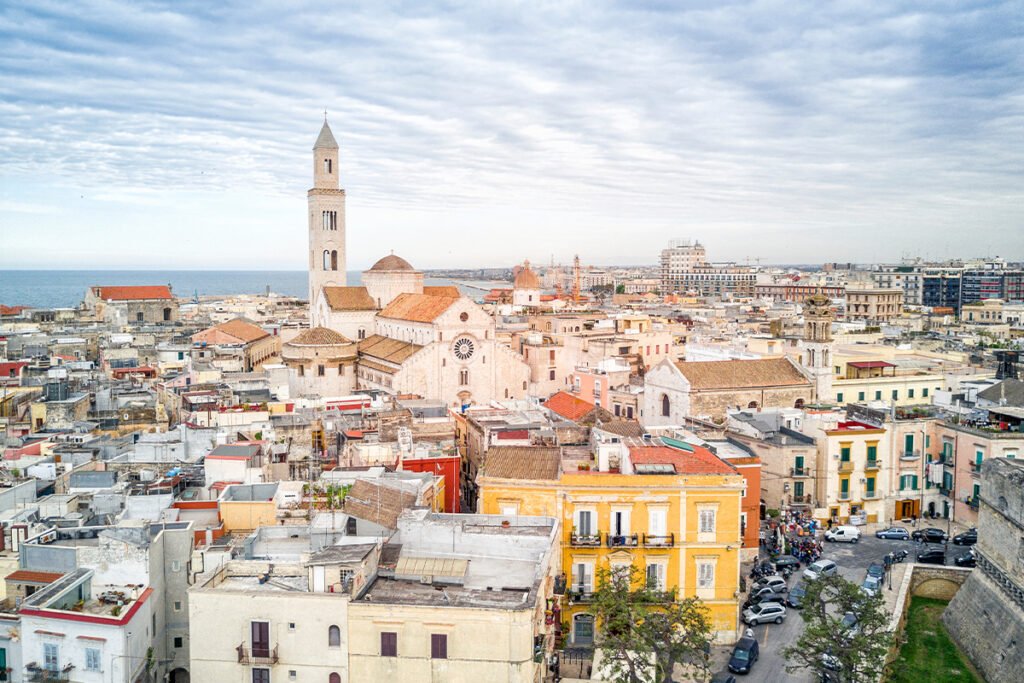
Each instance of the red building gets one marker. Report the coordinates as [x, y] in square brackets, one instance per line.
[447, 466]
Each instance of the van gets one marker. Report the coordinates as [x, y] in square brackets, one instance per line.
[843, 534]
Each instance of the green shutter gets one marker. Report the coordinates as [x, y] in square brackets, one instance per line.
[872, 453]
[913, 482]
[908, 443]
[924, 392]
[798, 488]
[979, 457]
[871, 486]
[878, 395]
[839, 397]
[844, 485]
[799, 462]
[844, 454]
[860, 395]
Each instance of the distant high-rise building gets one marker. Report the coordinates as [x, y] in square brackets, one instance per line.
[684, 267]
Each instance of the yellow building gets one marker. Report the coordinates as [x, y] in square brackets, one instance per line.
[672, 512]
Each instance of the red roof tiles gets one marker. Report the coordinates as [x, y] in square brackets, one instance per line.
[29, 576]
[568, 406]
[700, 461]
[133, 292]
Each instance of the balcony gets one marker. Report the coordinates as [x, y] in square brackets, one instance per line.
[655, 541]
[623, 540]
[972, 503]
[581, 594]
[35, 674]
[945, 491]
[256, 655]
[846, 466]
[800, 500]
[910, 455]
[871, 495]
[976, 469]
[585, 540]
[800, 471]
[844, 495]
[872, 465]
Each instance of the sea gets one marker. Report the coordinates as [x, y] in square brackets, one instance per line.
[66, 288]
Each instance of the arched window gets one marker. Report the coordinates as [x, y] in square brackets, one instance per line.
[327, 260]
[334, 637]
[463, 376]
[334, 260]
[334, 678]
[752, 404]
[666, 406]
[799, 403]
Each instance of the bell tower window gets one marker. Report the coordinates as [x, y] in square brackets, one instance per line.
[327, 165]
[334, 260]
[327, 260]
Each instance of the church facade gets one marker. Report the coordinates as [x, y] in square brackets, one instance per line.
[410, 339]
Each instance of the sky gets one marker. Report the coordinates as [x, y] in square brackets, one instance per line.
[178, 135]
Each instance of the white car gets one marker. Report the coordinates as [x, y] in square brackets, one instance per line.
[821, 568]
[843, 534]
[764, 613]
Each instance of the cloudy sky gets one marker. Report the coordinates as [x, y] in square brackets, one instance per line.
[178, 135]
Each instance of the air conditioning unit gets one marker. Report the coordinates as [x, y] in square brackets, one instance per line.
[426, 579]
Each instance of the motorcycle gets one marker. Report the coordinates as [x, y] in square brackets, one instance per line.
[787, 572]
[900, 556]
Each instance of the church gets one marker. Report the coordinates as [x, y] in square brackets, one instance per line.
[408, 339]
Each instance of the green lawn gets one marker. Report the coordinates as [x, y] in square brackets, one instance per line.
[928, 653]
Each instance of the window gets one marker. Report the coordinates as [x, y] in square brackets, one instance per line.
[872, 452]
[334, 678]
[583, 577]
[333, 636]
[439, 646]
[707, 521]
[860, 395]
[705, 576]
[177, 605]
[924, 392]
[302, 371]
[878, 395]
[895, 394]
[657, 522]
[844, 453]
[871, 486]
[261, 676]
[666, 406]
[656, 576]
[260, 631]
[551, 374]
[798, 489]
[92, 659]
[139, 317]
[620, 522]
[319, 371]
[509, 509]
[584, 522]
[327, 260]
[910, 393]
[839, 397]
[341, 369]
[388, 644]
[844, 487]
[327, 165]
[51, 657]
[175, 566]
[178, 641]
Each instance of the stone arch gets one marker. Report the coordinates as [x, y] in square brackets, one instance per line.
[179, 675]
[666, 406]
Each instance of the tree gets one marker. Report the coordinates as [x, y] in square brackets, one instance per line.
[852, 651]
[620, 289]
[639, 625]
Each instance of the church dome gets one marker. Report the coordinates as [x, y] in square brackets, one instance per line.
[526, 278]
[392, 262]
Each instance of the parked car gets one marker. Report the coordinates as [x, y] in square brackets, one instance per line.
[969, 537]
[767, 595]
[723, 677]
[849, 622]
[876, 569]
[871, 585]
[744, 654]
[796, 595]
[783, 561]
[929, 535]
[893, 533]
[935, 556]
[843, 534]
[776, 583]
[968, 559]
[820, 568]
[764, 613]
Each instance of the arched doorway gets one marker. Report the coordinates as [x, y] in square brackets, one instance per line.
[179, 676]
[799, 403]
[583, 629]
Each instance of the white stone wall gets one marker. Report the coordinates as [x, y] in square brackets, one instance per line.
[664, 379]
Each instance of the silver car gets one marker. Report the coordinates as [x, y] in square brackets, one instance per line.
[821, 568]
[764, 613]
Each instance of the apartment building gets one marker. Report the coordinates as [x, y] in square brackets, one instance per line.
[873, 305]
[673, 511]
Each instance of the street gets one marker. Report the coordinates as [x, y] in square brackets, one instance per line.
[853, 560]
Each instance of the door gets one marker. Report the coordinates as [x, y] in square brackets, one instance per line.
[260, 639]
[319, 579]
[583, 629]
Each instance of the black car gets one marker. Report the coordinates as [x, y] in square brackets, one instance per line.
[876, 569]
[796, 595]
[723, 677]
[764, 596]
[969, 537]
[937, 556]
[929, 535]
[783, 561]
[743, 656]
[968, 559]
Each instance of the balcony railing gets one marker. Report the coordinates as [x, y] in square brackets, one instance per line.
[800, 472]
[976, 468]
[801, 500]
[47, 675]
[655, 541]
[256, 655]
[846, 466]
[585, 540]
[623, 540]
[910, 455]
[873, 465]
[844, 495]
[871, 494]
[945, 491]
[972, 503]
[581, 594]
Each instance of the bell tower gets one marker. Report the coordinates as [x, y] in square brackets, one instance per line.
[326, 220]
[817, 356]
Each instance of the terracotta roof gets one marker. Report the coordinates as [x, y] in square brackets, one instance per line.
[377, 503]
[420, 308]
[568, 406]
[349, 299]
[392, 262]
[134, 292]
[526, 278]
[740, 374]
[699, 461]
[28, 576]
[12, 310]
[621, 427]
[238, 328]
[522, 462]
[867, 364]
[319, 336]
[442, 290]
[388, 349]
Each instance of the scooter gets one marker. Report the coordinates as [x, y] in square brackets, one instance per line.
[899, 556]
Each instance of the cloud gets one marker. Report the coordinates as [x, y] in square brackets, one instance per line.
[478, 133]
